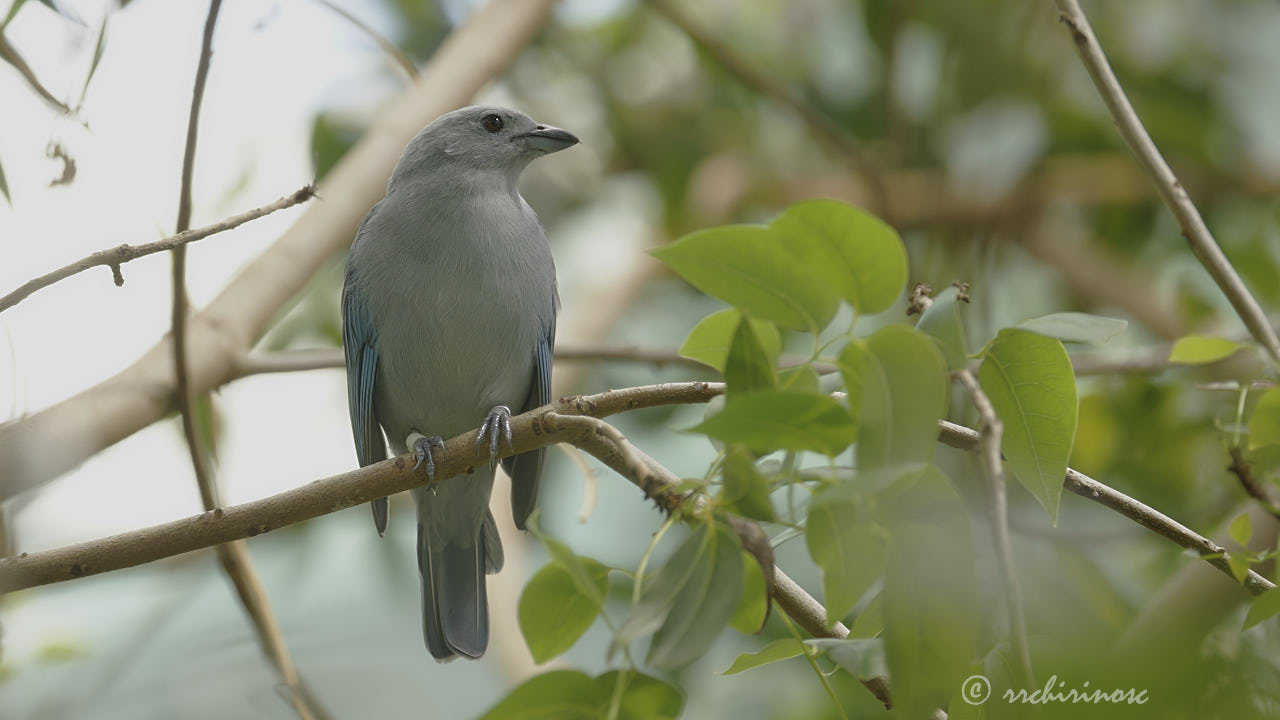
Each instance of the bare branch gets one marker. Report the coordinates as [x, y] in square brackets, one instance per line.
[117, 256]
[234, 556]
[958, 436]
[1240, 468]
[399, 60]
[38, 448]
[321, 496]
[991, 430]
[1202, 242]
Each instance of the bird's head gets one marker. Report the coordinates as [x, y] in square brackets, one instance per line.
[482, 139]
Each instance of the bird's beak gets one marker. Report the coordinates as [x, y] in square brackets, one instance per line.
[548, 139]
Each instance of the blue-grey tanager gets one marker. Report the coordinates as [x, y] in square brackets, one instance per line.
[448, 321]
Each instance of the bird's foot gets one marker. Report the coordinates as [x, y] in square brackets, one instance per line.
[422, 446]
[496, 424]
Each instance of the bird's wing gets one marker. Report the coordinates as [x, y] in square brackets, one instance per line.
[359, 345]
[525, 470]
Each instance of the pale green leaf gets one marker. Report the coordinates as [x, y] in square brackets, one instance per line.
[776, 651]
[1264, 423]
[1264, 607]
[778, 419]
[747, 267]
[904, 387]
[941, 321]
[1241, 529]
[709, 341]
[553, 614]
[1031, 384]
[1200, 349]
[1076, 327]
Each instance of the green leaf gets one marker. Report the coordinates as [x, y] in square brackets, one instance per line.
[857, 251]
[553, 613]
[572, 695]
[1031, 384]
[643, 697]
[942, 322]
[747, 267]
[846, 545]
[904, 385]
[1199, 349]
[783, 420]
[753, 606]
[578, 568]
[778, 650]
[862, 658]
[1076, 327]
[1241, 530]
[931, 606]
[749, 367]
[709, 341]
[802, 378]
[99, 46]
[746, 491]
[557, 695]
[1238, 563]
[703, 605]
[1264, 607]
[1264, 423]
[870, 622]
[659, 591]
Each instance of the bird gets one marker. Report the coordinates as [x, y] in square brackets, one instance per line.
[449, 306]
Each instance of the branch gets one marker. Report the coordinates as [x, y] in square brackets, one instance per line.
[117, 256]
[990, 432]
[963, 438]
[827, 131]
[1254, 489]
[1202, 242]
[42, 446]
[234, 556]
[320, 359]
[398, 58]
[320, 497]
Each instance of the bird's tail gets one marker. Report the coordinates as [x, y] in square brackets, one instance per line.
[455, 608]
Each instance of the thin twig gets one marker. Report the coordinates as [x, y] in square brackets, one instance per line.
[117, 256]
[958, 436]
[398, 58]
[823, 127]
[234, 556]
[990, 431]
[1240, 468]
[1202, 242]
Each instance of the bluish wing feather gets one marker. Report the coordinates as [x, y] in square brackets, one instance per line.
[360, 348]
[525, 470]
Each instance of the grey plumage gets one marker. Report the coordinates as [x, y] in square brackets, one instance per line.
[449, 309]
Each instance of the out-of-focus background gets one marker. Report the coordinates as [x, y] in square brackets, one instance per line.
[993, 157]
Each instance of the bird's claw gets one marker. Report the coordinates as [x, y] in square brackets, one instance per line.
[497, 424]
[422, 446]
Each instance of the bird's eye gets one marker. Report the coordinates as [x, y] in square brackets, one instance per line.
[492, 123]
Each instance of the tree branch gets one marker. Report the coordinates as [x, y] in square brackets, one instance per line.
[991, 430]
[1202, 242]
[38, 448]
[117, 256]
[234, 556]
[963, 438]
